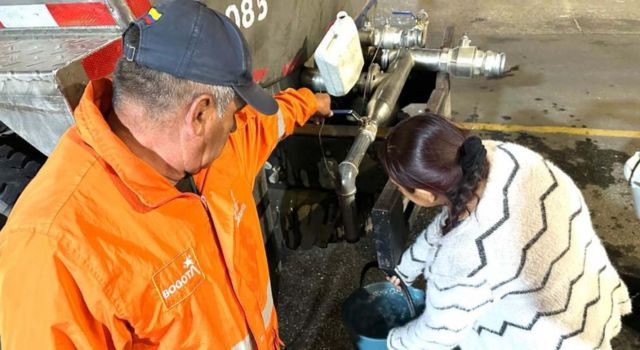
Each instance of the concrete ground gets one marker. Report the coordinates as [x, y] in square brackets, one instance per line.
[574, 68]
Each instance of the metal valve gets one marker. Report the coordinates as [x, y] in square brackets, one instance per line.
[468, 61]
[463, 60]
[390, 37]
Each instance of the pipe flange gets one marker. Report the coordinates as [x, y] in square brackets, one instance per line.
[346, 162]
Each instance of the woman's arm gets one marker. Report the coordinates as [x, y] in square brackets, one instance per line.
[450, 311]
[417, 256]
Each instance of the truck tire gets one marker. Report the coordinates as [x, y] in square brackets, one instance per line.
[19, 163]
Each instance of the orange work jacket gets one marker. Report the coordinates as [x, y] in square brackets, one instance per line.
[102, 252]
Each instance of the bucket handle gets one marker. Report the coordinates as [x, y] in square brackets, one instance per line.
[403, 287]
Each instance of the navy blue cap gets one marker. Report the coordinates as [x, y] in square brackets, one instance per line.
[188, 40]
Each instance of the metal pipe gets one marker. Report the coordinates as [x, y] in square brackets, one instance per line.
[348, 171]
[369, 80]
[337, 131]
[427, 58]
[379, 110]
[312, 79]
[366, 37]
[461, 61]
[384, 99]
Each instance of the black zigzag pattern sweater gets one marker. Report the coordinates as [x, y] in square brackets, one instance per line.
[525, 271]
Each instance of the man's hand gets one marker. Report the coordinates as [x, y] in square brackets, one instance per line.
[324, 108]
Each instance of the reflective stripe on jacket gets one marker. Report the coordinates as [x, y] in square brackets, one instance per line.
[102, 252]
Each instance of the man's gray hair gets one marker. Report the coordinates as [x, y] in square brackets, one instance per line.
[157, 92]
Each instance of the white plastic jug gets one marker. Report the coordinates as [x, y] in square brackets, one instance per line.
[339, 56]
[632, 174]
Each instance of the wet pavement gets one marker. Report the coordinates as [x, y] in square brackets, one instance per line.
[574, 66]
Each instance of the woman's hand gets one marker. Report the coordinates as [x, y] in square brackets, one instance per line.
[395, 281]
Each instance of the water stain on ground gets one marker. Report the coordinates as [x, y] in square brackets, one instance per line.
[599, 43]
[586, 163]
[557, 107]
[501, 39]
[507, 73]
[626, 255]
[472, 118]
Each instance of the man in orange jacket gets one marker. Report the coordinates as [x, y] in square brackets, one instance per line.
[115, 245]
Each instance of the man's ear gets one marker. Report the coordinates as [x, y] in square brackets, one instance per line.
[199, 113]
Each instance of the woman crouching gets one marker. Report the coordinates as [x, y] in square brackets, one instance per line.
[512, 260]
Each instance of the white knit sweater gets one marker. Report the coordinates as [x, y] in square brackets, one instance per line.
[524, 271]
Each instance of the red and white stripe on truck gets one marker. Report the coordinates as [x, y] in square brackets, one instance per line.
[68, 14]
[98, 64]
[81, 14]
[87, 14]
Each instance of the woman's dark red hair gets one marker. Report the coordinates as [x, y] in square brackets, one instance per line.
[424, 151]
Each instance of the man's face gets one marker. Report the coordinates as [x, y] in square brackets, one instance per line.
[203, 149]
[219, 131]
